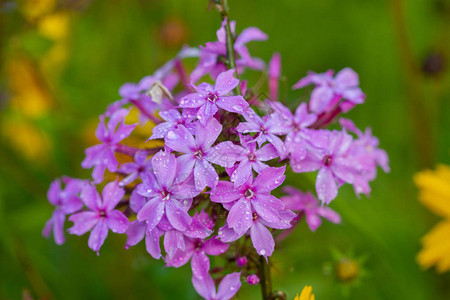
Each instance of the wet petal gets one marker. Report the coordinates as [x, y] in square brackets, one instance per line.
[262, 239]
[117, 221]
[152, 212]
[224, 192]
[229, 286]
[200, 265]
[326, 185]
[83, 222]
[240, 216]
[269, 179]
[225, 82]
[177, 216]
[98, 236]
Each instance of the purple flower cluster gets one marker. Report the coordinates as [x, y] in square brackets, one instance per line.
[209, 189]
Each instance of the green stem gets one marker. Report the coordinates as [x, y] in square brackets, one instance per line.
[266, 282]
[230, 42]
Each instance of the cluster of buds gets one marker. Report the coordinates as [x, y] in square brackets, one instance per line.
[224, 147]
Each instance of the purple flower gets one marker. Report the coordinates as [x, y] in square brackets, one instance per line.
[166, 195]
[209, 62]
[274, 76]
[136, 168]
[101, 214]
[254, 195]
[208, 98]
[253, 279]
[196, 250]
[365, 151]
[306, 203]
[262, 239]
[228, 287]
[173, 120]
[199, 154]
[267, 129]
[330, 155]
[251, 158]
[329, 90]
[297, 124]
[66, 201]
[102, 156]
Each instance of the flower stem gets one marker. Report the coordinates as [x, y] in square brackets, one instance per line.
[266, 282]
[230, 43]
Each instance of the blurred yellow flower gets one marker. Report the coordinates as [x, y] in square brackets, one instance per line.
[306, 294]
[55, 26]
[347, 269]
[33, 9]
[27, 139]
[30, 94]
[435, 195]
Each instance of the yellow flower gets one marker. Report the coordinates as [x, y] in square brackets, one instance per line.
[347, 269]
[435, 195]
[306, 294]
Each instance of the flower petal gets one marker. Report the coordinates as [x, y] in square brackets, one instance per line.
[193, 100]
[224, 154]
[83, 222]
[224, 192]
[214, 246]
[205, 287]
[240, 216]
[269, 179]
[117, 221]
[177, 216]
[262, 239]
[111, 195]
[326, 185]
[229, 286]
[205, 175]
[98, 236]
[200, 265]
[135, 233]
[225, 82]
[165, 168]
[236, 104]
[152, 212]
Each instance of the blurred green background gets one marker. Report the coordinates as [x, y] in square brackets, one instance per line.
[63, 62]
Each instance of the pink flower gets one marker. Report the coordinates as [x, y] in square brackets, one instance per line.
[328, 90]
[306, 203]
[101, 215]
[209, 99]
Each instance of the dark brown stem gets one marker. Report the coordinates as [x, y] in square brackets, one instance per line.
[230, 43]
[266, 282]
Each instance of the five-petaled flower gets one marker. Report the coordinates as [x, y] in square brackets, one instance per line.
[102, 156]
[198, 153]
[101, 214]
[165, 194]
[209, 99]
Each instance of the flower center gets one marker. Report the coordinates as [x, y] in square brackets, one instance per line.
[198, 154]
[327, 160]
[252, 157]
[255, 216]
[249, 194]
[198, 244]
[165, 195]
[212, 97]
[263, 130]
[102, 214]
